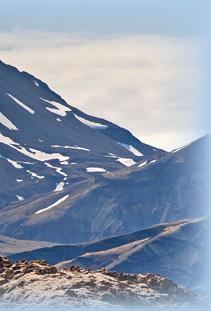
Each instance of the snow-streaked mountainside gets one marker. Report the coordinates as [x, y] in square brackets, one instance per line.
[171, 188]
[45, 143]
[176, 250]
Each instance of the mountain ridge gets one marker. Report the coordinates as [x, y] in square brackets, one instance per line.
[176, 250]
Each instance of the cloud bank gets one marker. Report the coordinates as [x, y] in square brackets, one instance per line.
[147, 83]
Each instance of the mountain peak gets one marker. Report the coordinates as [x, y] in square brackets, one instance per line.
[44, 140]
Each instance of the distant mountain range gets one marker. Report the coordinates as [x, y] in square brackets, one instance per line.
[71, 178]
[176, 250]
[10, 246]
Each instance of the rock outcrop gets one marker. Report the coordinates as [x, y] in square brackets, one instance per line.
[37, 283]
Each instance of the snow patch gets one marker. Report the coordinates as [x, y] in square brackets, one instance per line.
[6, 122]
[25, 162]
[15, 164]
[71, 147]
[64, 162]
[19, 180]
[95, 170]
[142, 164]
[6, 140]
[153, 161]
[59, 187]
[126, 161]
[36, 83]
[57, 169]
[94, 125]
[59, 109]
[111, 155]
[33, 174]
[178, 149]
[131, 149]
[34, 154]
[53, 205]
[43, 156]
[19, 197]
[21, 104]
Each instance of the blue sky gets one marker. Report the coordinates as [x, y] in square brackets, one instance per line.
[138, 63]
[180, 17]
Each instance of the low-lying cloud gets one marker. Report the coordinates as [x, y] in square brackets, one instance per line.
[148, 84]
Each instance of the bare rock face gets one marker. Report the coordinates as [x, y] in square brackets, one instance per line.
[37, 283]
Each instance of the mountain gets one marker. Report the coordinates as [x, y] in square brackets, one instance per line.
[34, 284]
[176, 250]
[67, 177]
[169, 188]
[9, 246]
[120, 205]
[46, 144]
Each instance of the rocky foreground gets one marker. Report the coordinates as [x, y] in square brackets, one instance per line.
[36, 282]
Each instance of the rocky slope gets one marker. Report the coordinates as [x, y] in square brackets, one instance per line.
[36, 283]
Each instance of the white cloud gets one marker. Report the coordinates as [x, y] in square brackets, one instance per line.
[146, 83]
